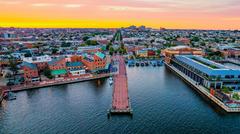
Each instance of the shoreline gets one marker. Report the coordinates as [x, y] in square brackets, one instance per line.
[200, 89]
[56, 83]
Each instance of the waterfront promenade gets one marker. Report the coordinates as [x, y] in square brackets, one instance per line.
[55, 82]
[203, 91]
[120, 98]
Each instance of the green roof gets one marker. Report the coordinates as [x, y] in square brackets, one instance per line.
[74, 64]
[107, 66]
[100, 55]
[58, 72]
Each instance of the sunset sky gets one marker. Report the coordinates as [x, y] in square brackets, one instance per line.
[194, 14]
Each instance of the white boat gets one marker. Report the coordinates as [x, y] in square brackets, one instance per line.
[110, 80]
[11, 96]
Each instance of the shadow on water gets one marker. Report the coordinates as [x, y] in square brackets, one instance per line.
[99, 83]
[32, 93]
[120, 116]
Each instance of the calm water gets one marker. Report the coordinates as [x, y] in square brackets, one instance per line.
[162, 103]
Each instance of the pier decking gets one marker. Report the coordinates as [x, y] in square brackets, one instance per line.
[120, 100]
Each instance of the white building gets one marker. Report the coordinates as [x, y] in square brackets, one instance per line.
[77, 72]
[37, 59]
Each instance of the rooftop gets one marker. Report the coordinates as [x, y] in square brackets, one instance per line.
[207, 66]
[74, 64]
[55, 60]
[181, 47]
[100, 55]
[30, 65]
[58, 72]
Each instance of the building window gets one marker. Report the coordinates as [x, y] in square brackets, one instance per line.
[227, 76]
[212, 85]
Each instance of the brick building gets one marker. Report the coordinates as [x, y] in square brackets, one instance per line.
[95, 62]
[75, 68]
[40, 61]
[30, 72]
[58, 67]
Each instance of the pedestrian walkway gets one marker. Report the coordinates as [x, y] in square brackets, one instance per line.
[120, 100]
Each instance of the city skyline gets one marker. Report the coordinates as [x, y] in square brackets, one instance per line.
[173, 14]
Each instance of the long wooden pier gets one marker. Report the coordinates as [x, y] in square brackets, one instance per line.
[120, 98]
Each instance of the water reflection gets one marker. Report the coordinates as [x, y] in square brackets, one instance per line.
[161, 101]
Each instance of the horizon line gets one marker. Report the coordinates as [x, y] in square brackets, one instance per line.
[17, 27]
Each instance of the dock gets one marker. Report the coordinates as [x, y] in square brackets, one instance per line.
[120, 98]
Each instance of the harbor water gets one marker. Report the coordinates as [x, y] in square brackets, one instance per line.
[161, 103]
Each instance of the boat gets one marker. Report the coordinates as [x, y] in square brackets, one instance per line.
[146, 63]
[131, 63]
[154, 63]
[10, 96]
[110, 81]
[159, 63]
[137, 64]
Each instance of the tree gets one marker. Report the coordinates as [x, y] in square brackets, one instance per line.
[195, 39]
[124, 51]
[91, 42]
[158, 51]
[120, 35]
[111, 50]
[152, 41]
[216, 40]
[203, 44]
[226, 90]
[131, 57]
[83, 45]
[13, 67]
[54, 51]
[85, 38]
[236, 96]
[47, 73]
[28, 55]
[233, 40]
[66, 44]
[146, 45]
[108, 45]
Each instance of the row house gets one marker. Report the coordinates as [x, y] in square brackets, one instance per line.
[40, 61]
[75, 68]
[146, 52]
[58, 67]
[30, 72]
[96, 62]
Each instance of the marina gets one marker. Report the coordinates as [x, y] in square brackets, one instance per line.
[142, 63]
